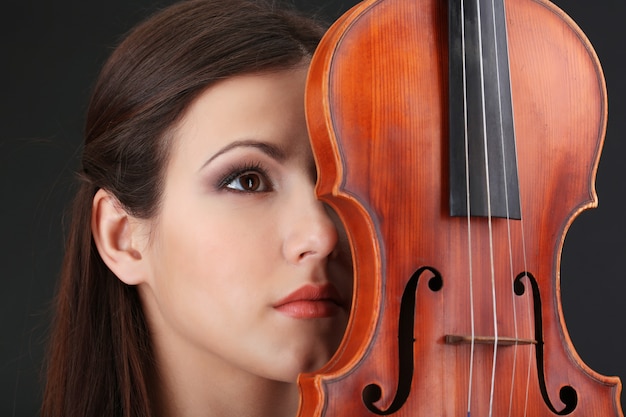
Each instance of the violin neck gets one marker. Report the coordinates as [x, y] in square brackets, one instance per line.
[481, 112]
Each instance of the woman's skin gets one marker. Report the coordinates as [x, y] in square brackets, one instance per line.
[240, 274]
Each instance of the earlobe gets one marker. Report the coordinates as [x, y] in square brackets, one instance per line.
[115, 237]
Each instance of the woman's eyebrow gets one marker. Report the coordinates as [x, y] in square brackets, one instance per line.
[273, 151]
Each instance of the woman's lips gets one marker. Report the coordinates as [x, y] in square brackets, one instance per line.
[311, 301]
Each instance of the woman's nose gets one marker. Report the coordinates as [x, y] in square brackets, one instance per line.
[310, 231]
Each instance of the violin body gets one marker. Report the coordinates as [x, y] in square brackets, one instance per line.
[453, 315]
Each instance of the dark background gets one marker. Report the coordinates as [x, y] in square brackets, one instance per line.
[51, 53]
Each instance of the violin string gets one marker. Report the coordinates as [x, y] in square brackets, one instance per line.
[506, 191]
[523, 242]
[528, 298]
[528, 312]
[468, 208]
[489, 217]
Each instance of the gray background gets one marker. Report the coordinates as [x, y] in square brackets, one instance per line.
[51, 53]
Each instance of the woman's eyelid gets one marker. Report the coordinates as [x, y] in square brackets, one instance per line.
[237, 173]
[246, 157]
[273, 151]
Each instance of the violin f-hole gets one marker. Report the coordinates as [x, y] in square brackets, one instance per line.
[406, 339]
[567, 394]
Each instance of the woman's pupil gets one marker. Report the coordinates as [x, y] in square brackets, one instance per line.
[250, 182]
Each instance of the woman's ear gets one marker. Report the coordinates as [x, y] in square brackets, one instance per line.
[115, 233]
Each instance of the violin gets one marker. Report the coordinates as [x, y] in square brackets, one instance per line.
[457, 141]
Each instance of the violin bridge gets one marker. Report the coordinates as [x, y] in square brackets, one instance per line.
[487, 340]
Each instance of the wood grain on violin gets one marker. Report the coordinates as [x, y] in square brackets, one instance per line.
[457, 142]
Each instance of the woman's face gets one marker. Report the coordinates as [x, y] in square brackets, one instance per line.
[245, 270]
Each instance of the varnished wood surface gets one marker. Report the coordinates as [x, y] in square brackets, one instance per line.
[382, 154]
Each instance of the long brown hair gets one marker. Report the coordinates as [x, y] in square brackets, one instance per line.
[100, 360]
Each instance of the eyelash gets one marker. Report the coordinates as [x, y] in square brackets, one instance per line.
[237, 171]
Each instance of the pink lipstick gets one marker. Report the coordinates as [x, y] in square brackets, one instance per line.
[311, 301]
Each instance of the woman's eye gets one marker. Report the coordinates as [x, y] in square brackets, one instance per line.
[249, 182]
